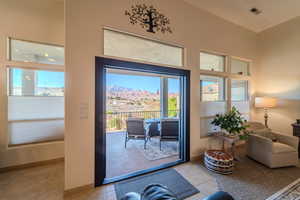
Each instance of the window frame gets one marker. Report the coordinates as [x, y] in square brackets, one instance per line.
[8, 84]
[215, 54]
[243, 60]
[8, 63]
[247, 95]
[9, 47]
[224, 88]
[228, 76]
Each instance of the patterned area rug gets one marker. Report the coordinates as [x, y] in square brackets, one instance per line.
[251, 180]
[152, 151]
[290, 192]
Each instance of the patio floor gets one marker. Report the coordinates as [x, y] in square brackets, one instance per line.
[121, 160]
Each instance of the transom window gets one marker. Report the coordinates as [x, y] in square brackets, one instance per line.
[212, 62]
[25, 51]
[129, 46]
[239, 67]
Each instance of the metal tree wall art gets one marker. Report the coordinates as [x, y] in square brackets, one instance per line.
[149, 18]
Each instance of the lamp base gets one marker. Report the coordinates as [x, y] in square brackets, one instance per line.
[266, 118]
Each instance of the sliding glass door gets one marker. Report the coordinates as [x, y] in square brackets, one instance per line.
[142, 119]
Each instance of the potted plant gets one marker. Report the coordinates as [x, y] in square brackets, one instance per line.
[232, 123]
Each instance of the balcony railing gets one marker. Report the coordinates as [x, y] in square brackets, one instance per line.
[116, 121]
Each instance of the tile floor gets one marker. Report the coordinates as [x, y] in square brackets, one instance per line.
[121, 160]
[46, 183]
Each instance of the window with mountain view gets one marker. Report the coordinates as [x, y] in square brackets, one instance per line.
[129, 94]
[212, 88]
[27, 82]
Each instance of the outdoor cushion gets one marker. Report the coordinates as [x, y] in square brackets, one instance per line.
[282, 148]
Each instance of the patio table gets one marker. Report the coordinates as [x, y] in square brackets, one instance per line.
[153, 130]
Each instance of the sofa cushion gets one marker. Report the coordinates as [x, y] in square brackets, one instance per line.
[282, 148]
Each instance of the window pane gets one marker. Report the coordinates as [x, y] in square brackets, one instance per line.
[212, 88]
[239, 67]
[24, 82]
[173, 97]
[35, 106]
[239, 90]
[35, 52]
[128, 46]
[212, 62]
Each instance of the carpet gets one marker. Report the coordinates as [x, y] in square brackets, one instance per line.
[152, 151]
[168, 177]
[253, 181]
[290, 192]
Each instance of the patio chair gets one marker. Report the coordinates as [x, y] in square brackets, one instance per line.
[169, 130]
[137, 130]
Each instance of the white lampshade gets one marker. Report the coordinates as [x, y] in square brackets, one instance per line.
[265, 102]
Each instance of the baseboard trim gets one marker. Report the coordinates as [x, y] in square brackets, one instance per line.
[197, 158]
[78, 189]
[29, 165]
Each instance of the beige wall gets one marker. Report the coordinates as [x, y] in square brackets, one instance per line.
[194, 29]
[278, 73]
[35, 20]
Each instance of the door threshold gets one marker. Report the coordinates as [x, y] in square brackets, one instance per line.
[141, 172]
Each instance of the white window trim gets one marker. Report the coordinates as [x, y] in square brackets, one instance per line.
[24, 65]
[228, 76]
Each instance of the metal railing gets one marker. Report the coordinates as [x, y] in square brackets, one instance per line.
[116, 121]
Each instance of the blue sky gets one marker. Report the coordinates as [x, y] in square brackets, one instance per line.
[149, 83]
[45, 78]
[56, 79]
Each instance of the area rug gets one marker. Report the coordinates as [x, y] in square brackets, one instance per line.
[290, 192]
[169, 178]
[253, 181]
[152, 151]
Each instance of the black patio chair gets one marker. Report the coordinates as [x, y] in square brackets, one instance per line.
[136, 129]
[169, 130]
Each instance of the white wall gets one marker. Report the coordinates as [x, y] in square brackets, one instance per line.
[36, 20]
[278, 74]
[193, 28]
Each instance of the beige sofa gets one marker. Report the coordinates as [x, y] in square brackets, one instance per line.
[280, 153]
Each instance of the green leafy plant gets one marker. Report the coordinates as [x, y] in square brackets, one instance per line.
[232, 122]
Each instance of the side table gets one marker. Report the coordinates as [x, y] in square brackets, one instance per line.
[296, 132]
[230, 140]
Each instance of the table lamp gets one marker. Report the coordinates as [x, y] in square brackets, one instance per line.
[265, 103]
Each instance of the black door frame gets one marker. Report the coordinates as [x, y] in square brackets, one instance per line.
[100, 109]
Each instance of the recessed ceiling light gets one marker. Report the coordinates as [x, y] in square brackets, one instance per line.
[255, 11]
[46, 55]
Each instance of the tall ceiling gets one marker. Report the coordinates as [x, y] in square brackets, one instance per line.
[273, 13]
